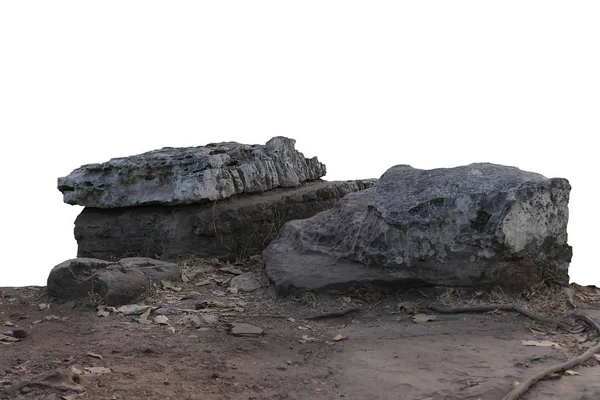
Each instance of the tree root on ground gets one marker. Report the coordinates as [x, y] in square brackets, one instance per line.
[528, 383]
[501, 307]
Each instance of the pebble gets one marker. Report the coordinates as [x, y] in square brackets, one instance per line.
[210, 319]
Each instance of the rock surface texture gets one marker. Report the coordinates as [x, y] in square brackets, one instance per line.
[175, 176]
[238, 226]
[116, 282]
[476, 226]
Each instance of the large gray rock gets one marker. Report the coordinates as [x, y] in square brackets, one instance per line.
[477, 225]
[116, 282]
[174, 176]
[238, 226]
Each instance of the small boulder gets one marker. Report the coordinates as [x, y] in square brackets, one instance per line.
[246, 282]
[116, 282]
[479, 225]
[242, 329]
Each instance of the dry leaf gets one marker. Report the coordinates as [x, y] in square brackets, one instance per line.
[571, 372]
[541, 343]
[89, 353]
[306, 339]
[570, 296]
[144, 317]
[420, 318]
[337, 338]
[133, 309]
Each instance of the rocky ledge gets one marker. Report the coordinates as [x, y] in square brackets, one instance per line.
[176, 176]
[236, 227]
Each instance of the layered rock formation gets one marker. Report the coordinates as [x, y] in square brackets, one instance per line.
[175, 176]
[219, 200]
[477, 225]
[236, 227]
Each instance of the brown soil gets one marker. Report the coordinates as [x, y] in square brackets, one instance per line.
[385, 354]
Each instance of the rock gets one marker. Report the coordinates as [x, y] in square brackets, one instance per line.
[241, 329]
[210, 319]
[133, 309]
[246, 282]
[162, 311]
[161, 319]
[243, 225]
[478, 225]
[192, 320]
[175, 176]
[19, 333]
[116, 282]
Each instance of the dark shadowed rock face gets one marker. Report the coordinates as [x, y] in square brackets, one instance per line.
[238, 226]
[477, 225]
[116, 282]
[175, 176]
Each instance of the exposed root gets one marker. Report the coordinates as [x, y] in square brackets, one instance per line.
[524, 386]
[502, 307]
[528, 383]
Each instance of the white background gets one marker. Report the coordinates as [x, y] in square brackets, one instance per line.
[363, 85]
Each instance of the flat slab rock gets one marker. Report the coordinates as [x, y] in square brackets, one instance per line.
[116, 282]
[477, 225]
[242, 225]
[190, 175]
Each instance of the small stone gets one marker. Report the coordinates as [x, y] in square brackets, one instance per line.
[218, 293]
[43, 306]
[245, 283]
[210, 319]
[162, 311]
[242, 329]
[202, 305]
[233, 290]
[161, 319]
[218, 304]
[203, 283]
[36, 322]
[193, 320]
[8, 323]
[19, 333]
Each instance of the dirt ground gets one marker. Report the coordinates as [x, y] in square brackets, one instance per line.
[382, 354]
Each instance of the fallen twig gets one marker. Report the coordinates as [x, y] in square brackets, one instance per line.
[333, 314]
[524, 386]
[501, 307]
